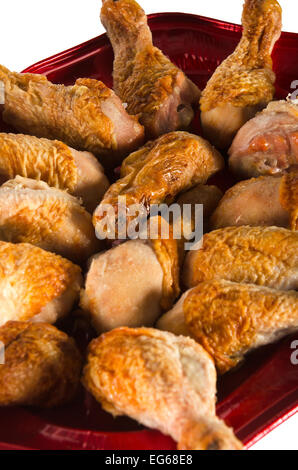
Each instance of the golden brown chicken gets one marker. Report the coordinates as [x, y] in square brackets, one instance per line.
[144, 78]
[86, 116]
[268, 143]
[36, 285]
[266, 200]
[154, 174]
[51, 161]
[33, 212]
[161, 380]
[243, 83]
[131, 284]
[229, 319]
[42, 365]
[267, 256]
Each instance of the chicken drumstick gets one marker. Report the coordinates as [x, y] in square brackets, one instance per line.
[243, 83]
[151, 85]
[161, 380]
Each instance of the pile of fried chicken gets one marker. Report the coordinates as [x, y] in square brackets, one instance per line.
[169, 320]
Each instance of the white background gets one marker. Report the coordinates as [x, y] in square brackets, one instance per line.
[31, 30]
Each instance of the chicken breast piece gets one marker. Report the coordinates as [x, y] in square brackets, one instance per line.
[86, 116]
[161, 380]
[51, 161]
[155, 174]
[36, 285]
[268, 143]
[42, 365]
[258, 255]
[144, 78]
[243, 83]
[32, 212]
[262, 201]
[230, 319]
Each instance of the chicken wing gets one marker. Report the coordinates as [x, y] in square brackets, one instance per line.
[42, 365]
[230, 319]
[157, 173]
[86, 116]
[243, 83]
[151, 85]
[267, 256]
[131, 284]
[161, 380]
[32, 212]
[36, 285]
[51, 161]
[266, 200]
[268, 143]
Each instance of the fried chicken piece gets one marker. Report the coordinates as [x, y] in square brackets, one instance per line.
[32, 212]
[243, 83]
[51, 161]
[266, 200]
[267, 256]
[268, 143]
[36, 285]
[230, 319]
[144, 78]
[131, 284]
[161, 380]
[42, 365]
[154, 174]
[86, 116]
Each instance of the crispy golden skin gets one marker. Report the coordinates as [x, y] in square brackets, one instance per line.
[161, 380]
[229, 319]
[262, 201]
[151, 85]
[35, 284]
[55, 163]
[42, 365]
[33, 212]
[86, 116]
[157, 173]
[267, 256]
[243, 83]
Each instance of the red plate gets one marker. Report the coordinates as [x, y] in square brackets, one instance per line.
[262, 393]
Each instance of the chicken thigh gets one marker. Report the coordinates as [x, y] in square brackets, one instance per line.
[151, 85]
[230, 319]
[155, 174]
[32, 212]
[268, 143]
[161, 380]
[267, 256]
[86, 116]
[51, 161]
[36, 285]
[243, 83]
[266, 200]
[42, 365]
